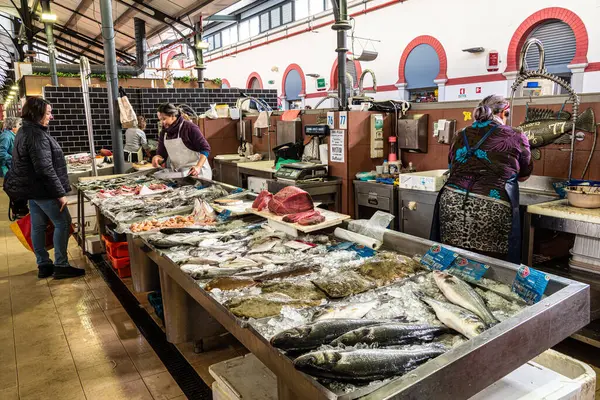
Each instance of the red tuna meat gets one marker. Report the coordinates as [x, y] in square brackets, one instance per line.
[314, 219]
[297, 217]
[262, 201]
[290, 200]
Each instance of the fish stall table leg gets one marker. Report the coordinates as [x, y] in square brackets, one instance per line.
[185, 319]
[144, 271]
[528, 238]
[81, 219]
[284, 392]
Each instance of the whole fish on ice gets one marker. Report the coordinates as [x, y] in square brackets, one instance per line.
[348, 311]
[364, 364]
[311, 336]
[207, 271]
[305, 290]
[389, 334]
[344, 284]
[462, 294]
[265, 305]
[455, 317]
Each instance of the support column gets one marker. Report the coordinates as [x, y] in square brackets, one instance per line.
[199, 56]
[29, 28]
[50, 40]
[112, 84]
[341, 25]
[441, 83]
[402, 91]
[577, 79]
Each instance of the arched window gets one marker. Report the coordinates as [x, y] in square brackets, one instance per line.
[353, 68]
[559, 47]
[421, 69]
[294, 86]
[254, 81]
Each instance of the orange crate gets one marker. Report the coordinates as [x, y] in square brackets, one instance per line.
[124, 272]
[116, 249]
[119, 263]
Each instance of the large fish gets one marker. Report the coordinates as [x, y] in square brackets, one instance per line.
[266, 305]
[455, 317]
[364, 364]
[462, 294]
[311, 336]
[543, 127]
[304, 290]
[344, 284]
[348, 311]
[390, 334]
[208, 271]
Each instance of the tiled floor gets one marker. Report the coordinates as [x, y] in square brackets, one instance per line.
[69, 339]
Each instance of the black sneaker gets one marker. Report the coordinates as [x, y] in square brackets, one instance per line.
[67, 272]
[45, 271]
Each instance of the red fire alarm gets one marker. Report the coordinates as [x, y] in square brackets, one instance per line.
[493, 61]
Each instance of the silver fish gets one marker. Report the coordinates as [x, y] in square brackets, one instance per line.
[239, 262]
[207, 271]
[311, 336]
[455, 317]
[462, 294]
[364, 364]
[390, 334]
[349, 311]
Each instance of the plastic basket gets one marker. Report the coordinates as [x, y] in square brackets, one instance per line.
[115, 249]
[119, 263]
[124, 272]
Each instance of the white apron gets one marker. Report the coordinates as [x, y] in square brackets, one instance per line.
[182, 157]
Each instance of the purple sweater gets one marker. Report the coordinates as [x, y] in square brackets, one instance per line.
[190, 134]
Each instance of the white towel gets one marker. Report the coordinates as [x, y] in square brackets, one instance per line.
[262, 120]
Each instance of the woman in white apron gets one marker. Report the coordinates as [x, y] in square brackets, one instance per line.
[181, 144]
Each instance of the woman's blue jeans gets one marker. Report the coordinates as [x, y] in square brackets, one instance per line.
[41, 211]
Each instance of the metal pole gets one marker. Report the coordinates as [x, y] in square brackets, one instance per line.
[200, 67]
[28, 27]
[85, 72]
[112, 84]
[341, 25]
[50, 40]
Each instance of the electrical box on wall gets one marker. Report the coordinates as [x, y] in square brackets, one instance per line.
[444, 130]
[412, 133]
[376, 136]
[539, 87]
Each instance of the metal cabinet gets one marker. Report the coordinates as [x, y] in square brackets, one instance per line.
[416, 211]
[226, 172]
[370, 197]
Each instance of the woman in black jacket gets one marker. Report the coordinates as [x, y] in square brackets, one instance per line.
[39, 174]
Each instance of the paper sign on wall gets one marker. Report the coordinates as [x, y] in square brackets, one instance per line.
[343, 120]
[336, 146]
[331, 120]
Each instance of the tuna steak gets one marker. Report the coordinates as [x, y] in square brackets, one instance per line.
[262, 201]
[290, 200]
[314, 219]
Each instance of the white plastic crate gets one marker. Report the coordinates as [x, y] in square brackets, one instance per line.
[587, 246]
[430, 181]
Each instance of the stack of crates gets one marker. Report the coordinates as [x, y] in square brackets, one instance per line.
[118, 255]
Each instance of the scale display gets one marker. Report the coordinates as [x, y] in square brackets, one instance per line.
[316, 130]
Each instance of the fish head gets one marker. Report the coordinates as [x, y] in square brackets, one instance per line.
[443, 278]
[318, 359]
[289, 337]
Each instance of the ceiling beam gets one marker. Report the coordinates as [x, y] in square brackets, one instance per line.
[92, 20]
[70, 52]
[81, 8]
[81, 52]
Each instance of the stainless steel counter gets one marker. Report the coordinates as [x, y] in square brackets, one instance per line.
[459, 373]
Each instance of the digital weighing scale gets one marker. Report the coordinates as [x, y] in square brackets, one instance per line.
[301, 171]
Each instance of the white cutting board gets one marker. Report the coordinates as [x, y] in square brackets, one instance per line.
[562, 209]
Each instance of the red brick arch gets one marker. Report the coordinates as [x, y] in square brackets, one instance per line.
[225, 82]
[290, 68]
[534, 20]
[333, 78]
[254, 75]
[437, 46]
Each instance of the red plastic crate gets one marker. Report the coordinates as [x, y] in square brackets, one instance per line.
[124, 272]
[116, 249]
[119, 263]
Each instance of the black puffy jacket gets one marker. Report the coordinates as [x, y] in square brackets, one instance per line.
[39, 169]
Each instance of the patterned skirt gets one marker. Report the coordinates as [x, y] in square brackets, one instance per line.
[474, 222]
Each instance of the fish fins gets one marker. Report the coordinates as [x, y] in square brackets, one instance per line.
[586, 121]
[536, 154]
[541, 114]
[563, 139]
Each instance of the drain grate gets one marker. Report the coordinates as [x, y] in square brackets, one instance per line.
[182, 372]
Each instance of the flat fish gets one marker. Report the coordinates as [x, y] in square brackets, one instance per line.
[239, 262]
[390, 334]
[286, 272]
[296, 290]
[364, 364]
[311, 336]
[455, 317]
[388, 269]
[229, 283]
[263, 247]
[266, 305]
[211, 259]
[344, 284]
[349, 311]
[462, 294]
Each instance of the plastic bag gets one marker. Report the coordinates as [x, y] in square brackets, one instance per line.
[374, 227]
[128, 117]
[212, 113]
[22, 230]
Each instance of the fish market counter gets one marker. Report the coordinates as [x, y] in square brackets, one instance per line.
[191, 313]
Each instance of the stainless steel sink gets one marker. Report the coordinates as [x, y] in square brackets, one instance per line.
[537, 189]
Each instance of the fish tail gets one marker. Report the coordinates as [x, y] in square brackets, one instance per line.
[586, 121]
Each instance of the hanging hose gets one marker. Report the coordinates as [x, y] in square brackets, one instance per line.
[587, 165]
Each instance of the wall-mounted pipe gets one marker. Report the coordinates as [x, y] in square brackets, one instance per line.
[136, 70]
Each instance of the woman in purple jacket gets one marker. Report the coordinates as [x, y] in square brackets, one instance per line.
[181, 144]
